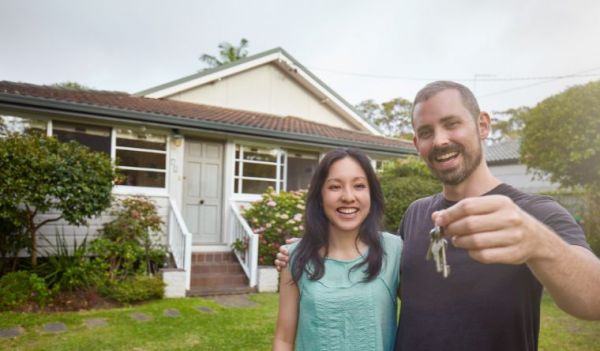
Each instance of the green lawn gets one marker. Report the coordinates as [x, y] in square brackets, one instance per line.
[225, 329]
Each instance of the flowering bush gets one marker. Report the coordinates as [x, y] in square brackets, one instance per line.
[276, 217]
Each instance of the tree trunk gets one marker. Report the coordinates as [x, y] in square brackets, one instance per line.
[32, 229]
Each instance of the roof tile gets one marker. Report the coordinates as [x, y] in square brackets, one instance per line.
[126, 102]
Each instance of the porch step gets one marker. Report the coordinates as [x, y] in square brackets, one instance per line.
[217, 273]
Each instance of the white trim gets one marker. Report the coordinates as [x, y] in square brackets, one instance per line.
[140, 190]
[211, 248]
[113, 145]
[152, 151]
[211, 77]
[272, 180]
[228, 190]
[280, 59]
[49, 128]
[246, 197]
[155, 170]
[328, 95]
[268, 163]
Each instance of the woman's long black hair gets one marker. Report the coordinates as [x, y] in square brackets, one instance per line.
[306, 257]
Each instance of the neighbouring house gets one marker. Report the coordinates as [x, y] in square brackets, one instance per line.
[200, 147]
[503, 160]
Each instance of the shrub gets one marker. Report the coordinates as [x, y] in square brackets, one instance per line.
[42, 175]
[20, 288]
[70, 269]
[13, 238]
[275, 217]
[134, 289]
[584, 207]
[403, 182]
[129, 243]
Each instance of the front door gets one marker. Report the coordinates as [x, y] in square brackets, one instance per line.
[202, 190]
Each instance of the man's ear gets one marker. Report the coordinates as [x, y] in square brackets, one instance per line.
[484, 123]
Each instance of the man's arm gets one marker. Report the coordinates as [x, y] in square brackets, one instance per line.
[495, 230]
[283, 255]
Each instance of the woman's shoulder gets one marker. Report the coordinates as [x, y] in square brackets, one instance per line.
[391, 242]
[292, 247]
[389, 237]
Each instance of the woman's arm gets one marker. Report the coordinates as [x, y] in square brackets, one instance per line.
[287, 319]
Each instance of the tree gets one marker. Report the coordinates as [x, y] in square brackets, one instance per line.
[40, 175]
[404, 181]
[561, 137]
[510, 126]
[393, 116]
[228, 53]
[71, 85]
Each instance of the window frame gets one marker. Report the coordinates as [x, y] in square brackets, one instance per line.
[280, 168]
[121, 189]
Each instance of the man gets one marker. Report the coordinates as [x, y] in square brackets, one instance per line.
[506, 244]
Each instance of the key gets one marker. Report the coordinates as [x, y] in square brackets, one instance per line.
[437, 250]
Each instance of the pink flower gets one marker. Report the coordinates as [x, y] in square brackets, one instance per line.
[271, 203]
[298, 217]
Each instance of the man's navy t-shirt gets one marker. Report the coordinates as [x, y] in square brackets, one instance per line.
[479, 306]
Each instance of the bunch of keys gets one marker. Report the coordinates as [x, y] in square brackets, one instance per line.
[437, 250]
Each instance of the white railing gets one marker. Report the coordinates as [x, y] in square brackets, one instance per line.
[240, 230]
[180, 242]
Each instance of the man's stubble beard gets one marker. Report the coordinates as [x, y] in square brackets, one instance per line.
[471, 161]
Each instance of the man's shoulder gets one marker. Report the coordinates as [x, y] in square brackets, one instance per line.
[425, 202]
[529, 202]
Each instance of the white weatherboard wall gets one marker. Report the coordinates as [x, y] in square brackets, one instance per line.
[516, 175]
[264, 89]
[79, 233]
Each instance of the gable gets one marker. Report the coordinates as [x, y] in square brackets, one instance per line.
[310, 98]
[266, 89]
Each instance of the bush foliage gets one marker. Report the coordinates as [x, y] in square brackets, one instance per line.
[134, 289]
[404, 181]
[20, 288]
[70, 268]
[130, 244]
[561, 139]
[275, 218]
[41, 174]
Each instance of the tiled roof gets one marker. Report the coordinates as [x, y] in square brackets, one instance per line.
[119, 101]
[503, 152]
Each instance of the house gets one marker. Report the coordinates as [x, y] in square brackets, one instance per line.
[503, 161]
[201, 146]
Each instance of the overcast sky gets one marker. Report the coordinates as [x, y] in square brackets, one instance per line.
[362, 49]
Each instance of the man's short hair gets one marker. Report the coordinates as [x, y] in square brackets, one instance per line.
[431, 89]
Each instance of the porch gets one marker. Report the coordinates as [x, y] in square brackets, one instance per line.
[219, 270]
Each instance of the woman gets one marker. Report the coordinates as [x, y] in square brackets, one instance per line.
[339, 291]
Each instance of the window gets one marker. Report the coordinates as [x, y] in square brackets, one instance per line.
[257, 168]
[26, 125]
[300, 168]
[94, 137]
[141, 156]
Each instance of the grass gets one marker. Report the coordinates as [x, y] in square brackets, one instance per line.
[225, 329]
[561, 332]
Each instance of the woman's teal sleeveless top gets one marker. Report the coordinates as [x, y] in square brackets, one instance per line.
[340, 312]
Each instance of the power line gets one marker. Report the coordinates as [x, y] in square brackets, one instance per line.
[548, 80]
[472, 79]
